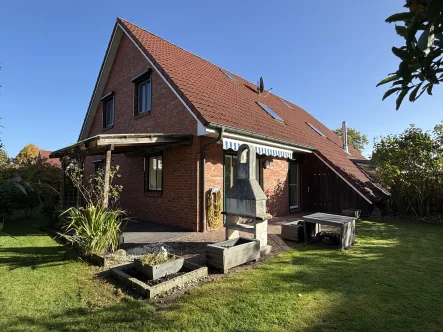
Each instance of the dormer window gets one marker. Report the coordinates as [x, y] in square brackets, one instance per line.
[142, 93]
[108, 110]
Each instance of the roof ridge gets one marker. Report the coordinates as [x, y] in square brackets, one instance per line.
[169, 42]
[193, 54]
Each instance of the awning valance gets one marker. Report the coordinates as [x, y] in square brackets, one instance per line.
[232, 144]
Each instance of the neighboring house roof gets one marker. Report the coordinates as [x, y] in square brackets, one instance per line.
[44, 155]
[218, 100]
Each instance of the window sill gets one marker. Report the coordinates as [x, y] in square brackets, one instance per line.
[141, 115]
[153, 193]
[107, 128]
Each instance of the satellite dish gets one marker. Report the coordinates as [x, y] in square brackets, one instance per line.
[261, 86]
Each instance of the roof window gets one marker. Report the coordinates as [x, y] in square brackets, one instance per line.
[286, 104]
[228, 75]
[270, 112]
[315, 129]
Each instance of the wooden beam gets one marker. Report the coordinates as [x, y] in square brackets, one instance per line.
[135, 141]
[107, 169]
[80, 162]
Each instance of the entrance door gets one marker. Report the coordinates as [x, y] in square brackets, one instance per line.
[294, 186]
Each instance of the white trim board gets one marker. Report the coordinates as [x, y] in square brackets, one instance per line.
[341, 177]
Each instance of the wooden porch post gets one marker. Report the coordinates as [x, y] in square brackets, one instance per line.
[80, 163]
[62, 185]
[107, 169]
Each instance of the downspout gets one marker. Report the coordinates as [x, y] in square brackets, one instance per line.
[203, 178]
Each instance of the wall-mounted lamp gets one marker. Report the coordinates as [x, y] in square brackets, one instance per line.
[266, 164]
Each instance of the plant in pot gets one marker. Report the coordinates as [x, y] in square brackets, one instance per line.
[159, 264]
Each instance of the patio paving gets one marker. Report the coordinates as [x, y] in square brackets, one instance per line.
[145, 232]
[191, 245]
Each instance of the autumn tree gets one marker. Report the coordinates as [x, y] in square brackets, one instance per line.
[27, 155]
[420, 56]
[355, 138]
[4, 159]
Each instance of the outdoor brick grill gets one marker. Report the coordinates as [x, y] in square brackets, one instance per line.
[246, 201]
[245, 212]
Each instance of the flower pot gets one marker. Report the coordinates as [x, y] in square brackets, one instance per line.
[160, 270]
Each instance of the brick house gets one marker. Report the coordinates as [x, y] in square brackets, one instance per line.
[44, 155]
[173, 122]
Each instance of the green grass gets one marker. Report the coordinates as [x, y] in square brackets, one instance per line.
[392, 280]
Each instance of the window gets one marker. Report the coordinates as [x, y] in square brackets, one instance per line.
[142, 93]
[108, 110]
[98, 165]
[228, 74]
[315, 129]
[154, 173]
[294, 190]
[286, 104]
[270, 112]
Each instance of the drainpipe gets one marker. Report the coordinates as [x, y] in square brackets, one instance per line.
[344, 130]
[203, 178]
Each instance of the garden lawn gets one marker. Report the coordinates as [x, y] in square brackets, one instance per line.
[392, 280]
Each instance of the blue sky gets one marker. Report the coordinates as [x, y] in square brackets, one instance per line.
[325, 56]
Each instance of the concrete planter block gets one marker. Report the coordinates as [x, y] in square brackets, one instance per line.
[196, 273]
[292, 231]
[160, 270]
[228, 254]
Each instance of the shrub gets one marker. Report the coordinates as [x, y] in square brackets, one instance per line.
[96, 230]
[25, 187]
[411, 164]
[92, 188]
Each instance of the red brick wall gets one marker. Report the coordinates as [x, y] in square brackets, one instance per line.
[168, 114]
[276, 186]
[177, 203]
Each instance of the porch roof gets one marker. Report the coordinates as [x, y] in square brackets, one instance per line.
[122, 143]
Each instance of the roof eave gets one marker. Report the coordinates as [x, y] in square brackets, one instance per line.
[213, 125]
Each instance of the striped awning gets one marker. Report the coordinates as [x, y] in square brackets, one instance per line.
[232, 144]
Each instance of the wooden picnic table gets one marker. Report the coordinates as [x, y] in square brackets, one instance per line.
[345, 223]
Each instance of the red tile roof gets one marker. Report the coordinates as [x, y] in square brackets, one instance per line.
[44, 154]
[216, 99]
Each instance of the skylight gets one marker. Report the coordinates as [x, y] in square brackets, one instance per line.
[228, 74]
[315, 129]
[270, 112]
[286, 104]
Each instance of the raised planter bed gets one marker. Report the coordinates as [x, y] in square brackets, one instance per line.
[228, 254]
[160, 270]
[128, 274]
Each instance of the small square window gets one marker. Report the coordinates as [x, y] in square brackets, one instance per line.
[108, 111]
[142, 93]
[154, 173]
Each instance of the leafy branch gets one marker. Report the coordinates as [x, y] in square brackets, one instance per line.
[421, 62]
